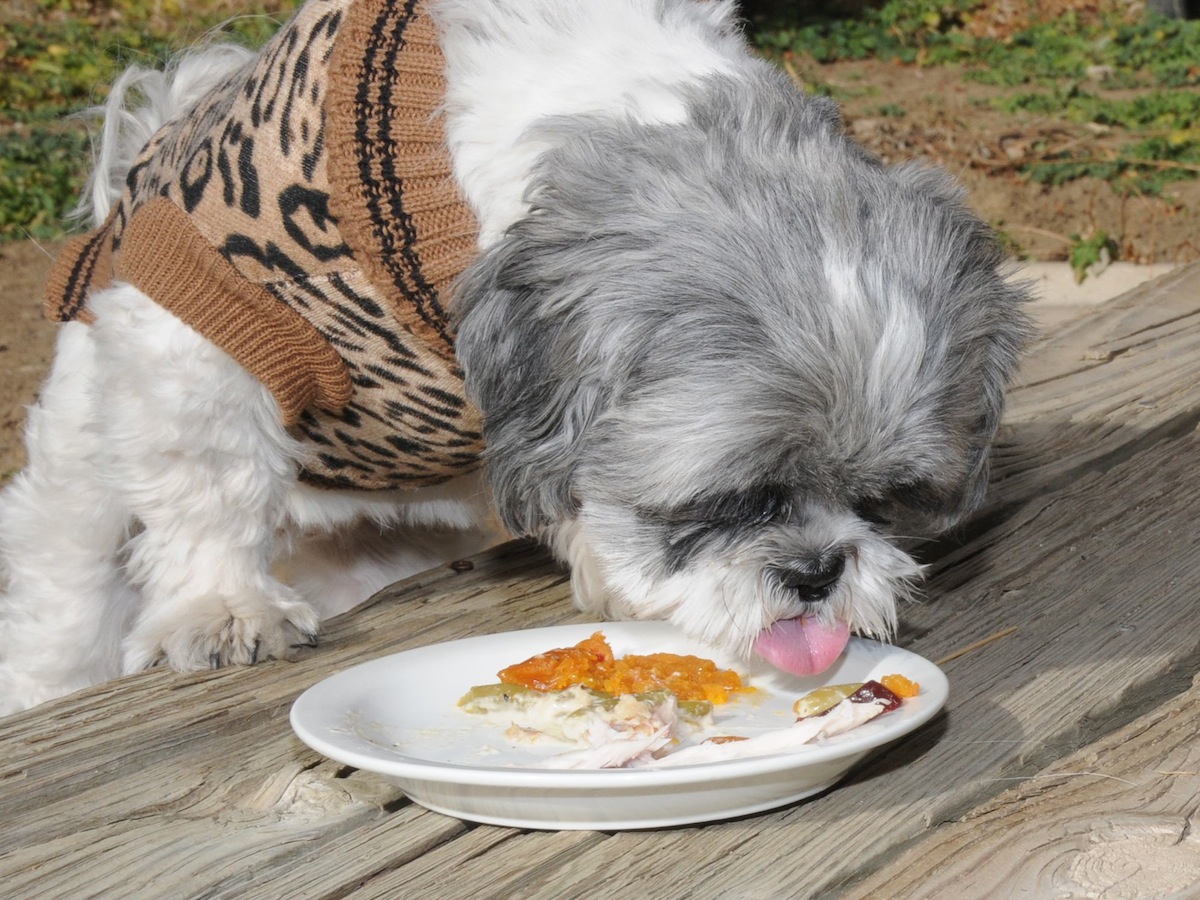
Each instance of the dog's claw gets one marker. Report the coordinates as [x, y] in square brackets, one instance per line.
[214, 660]
[310, 640]
[254, 652]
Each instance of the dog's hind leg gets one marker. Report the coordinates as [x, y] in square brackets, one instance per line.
[338, 568]
[194, 445]
[64, 601]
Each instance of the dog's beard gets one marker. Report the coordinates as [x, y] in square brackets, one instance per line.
[728, 593]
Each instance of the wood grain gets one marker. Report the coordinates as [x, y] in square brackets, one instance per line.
[1117, 820]
[182, 786]
[1069, 673]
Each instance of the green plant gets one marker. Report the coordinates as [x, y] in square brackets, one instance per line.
[899, 29]
[1149, 51]
[1167, 150]
[41, 174]
[60, 58]
[1075, 68]
[1098, 249]
[1169, 110]
[1145, 168]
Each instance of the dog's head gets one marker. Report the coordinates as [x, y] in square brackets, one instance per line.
[728, 366]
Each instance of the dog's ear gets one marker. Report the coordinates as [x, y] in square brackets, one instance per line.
[526, 371]
[981, 314]
[1000, 357]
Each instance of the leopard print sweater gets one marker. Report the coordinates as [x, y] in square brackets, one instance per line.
[303, 217]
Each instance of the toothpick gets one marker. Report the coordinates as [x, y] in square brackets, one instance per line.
[982, 642]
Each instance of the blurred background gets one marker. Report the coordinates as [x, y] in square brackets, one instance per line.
[1075, 124]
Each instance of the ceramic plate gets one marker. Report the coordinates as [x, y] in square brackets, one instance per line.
[398, 716]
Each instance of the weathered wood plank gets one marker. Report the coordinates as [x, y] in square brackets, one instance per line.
[1140, 318]
[439, 873]
[1074, 669]
[199, 778]
[194, 783]
[1101, 388]
[1116, 819]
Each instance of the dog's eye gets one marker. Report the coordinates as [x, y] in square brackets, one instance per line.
[756, 506]
[903, 505]
[746, 509]
[877, 512]
[772, 507]
[921, 497]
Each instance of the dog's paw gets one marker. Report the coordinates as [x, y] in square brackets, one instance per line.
[212, 631]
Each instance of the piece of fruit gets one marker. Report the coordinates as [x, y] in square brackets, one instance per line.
[823, 699]
[900, 686]
[873, 691]
[892, 689]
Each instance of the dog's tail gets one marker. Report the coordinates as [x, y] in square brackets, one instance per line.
[126, 124]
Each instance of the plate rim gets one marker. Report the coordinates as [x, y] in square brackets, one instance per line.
[934, 685]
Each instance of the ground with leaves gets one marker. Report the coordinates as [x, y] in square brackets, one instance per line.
[936, 114]
[1074, 124]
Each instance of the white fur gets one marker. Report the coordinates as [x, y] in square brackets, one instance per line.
[726, 602]
[629, 57]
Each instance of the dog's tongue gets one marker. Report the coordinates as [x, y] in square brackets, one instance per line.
[802, 646]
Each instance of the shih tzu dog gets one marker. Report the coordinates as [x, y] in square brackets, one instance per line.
[588, 264]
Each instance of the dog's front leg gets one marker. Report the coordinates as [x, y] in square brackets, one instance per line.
[64, 600]
[194, 445]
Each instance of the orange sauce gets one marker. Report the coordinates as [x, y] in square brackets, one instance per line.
[591, 664]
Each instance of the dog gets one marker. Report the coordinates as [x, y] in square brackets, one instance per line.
[588, 267]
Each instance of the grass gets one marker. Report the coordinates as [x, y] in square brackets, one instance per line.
[1073, 68]
[40, 176]
[1163, 145]
[56, 56]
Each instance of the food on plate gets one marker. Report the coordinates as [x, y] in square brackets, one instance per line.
[653, 710]
[871, 700]
[823, 699]
[814, 703]
[612, 710]
[902, 687]
[570, 715]
[592, 664]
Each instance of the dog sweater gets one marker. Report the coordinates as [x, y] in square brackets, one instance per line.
[303, 217]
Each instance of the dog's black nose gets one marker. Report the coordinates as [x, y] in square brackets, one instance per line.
[813, 579]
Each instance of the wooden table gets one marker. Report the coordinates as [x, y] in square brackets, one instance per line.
[1066, 759]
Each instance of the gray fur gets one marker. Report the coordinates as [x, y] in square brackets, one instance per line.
[660, 335]
[666, 295]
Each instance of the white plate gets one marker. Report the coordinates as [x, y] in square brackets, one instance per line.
[398, 716]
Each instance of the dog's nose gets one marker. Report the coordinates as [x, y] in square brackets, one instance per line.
[813, 579]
